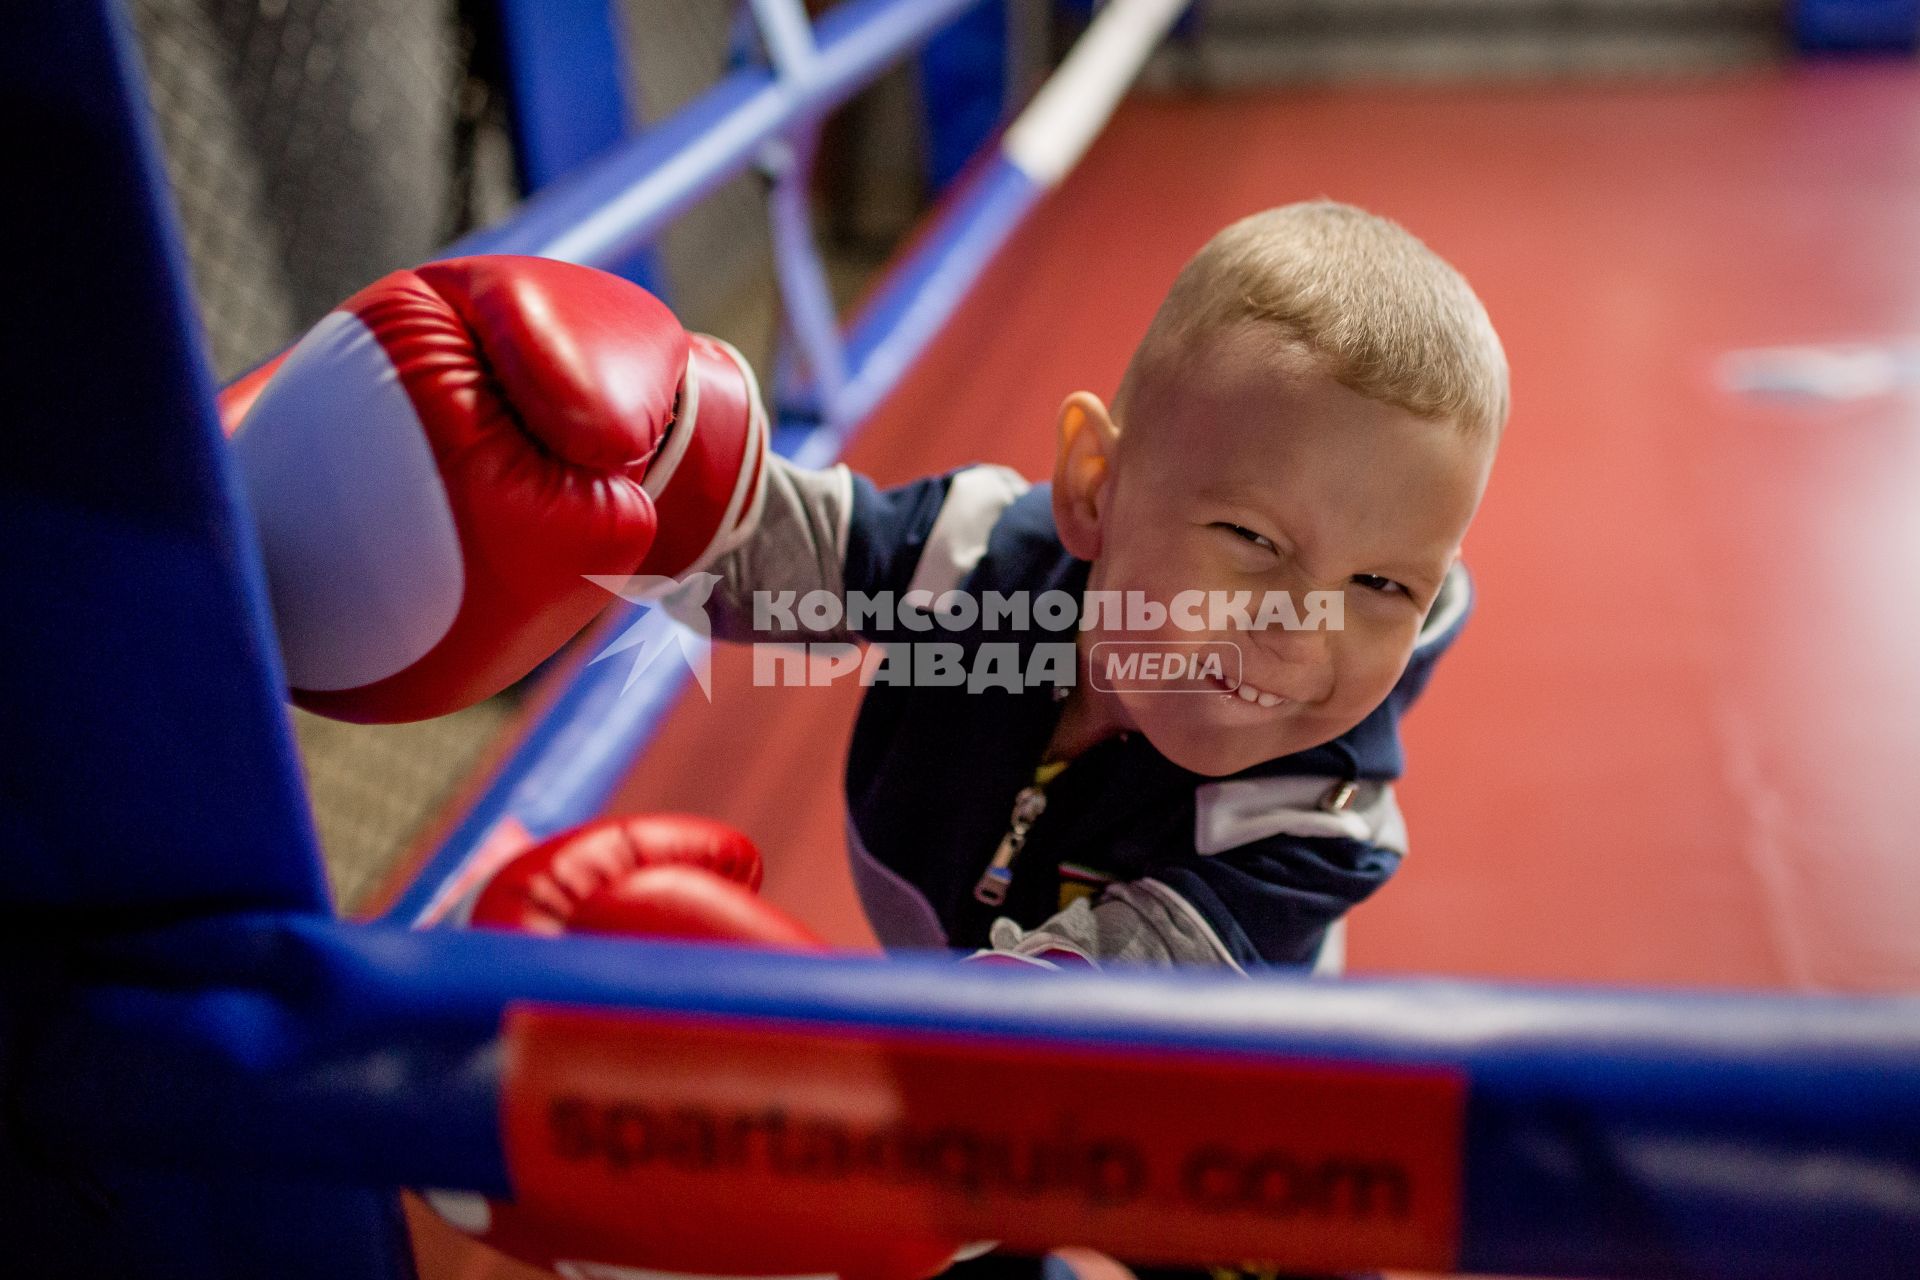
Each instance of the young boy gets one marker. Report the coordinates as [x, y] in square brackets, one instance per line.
[1312, 415]
[1264, 526]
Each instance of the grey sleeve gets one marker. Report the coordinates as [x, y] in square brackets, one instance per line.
[1134, 922]
[800, 545]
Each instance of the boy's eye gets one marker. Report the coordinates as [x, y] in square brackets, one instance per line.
[1374, 582]
[1241, 531]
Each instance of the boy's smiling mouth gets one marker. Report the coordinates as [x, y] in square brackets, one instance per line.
[1250, 693]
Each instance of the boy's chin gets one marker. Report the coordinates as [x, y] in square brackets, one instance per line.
[1210, 753]
[1199, 743]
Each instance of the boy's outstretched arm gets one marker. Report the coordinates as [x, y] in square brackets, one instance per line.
[833, 531]
[799, 545]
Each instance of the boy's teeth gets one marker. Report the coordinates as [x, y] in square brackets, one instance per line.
[1259, 697]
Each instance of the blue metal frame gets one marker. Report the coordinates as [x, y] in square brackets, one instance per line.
[616, 206]
[570, 761]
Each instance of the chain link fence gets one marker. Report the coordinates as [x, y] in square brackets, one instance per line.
[312, 146]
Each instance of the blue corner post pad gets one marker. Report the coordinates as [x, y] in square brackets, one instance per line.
[150, 767]
[963, 87]
[1856, 26]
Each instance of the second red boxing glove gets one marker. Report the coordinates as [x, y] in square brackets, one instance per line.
[658, 875]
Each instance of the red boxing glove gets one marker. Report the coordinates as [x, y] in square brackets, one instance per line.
[438, 467]
[708, 481]
[658, 875]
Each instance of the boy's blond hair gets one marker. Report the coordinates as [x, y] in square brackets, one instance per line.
[1389, 317]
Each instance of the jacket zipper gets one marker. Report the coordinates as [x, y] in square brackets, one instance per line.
[997, 879]
[994, 882]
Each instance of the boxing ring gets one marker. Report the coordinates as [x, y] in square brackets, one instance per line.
[210, 1074]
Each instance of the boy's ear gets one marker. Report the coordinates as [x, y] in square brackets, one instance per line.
[1083, 472]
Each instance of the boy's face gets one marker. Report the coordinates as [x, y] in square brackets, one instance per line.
[1249, 470]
